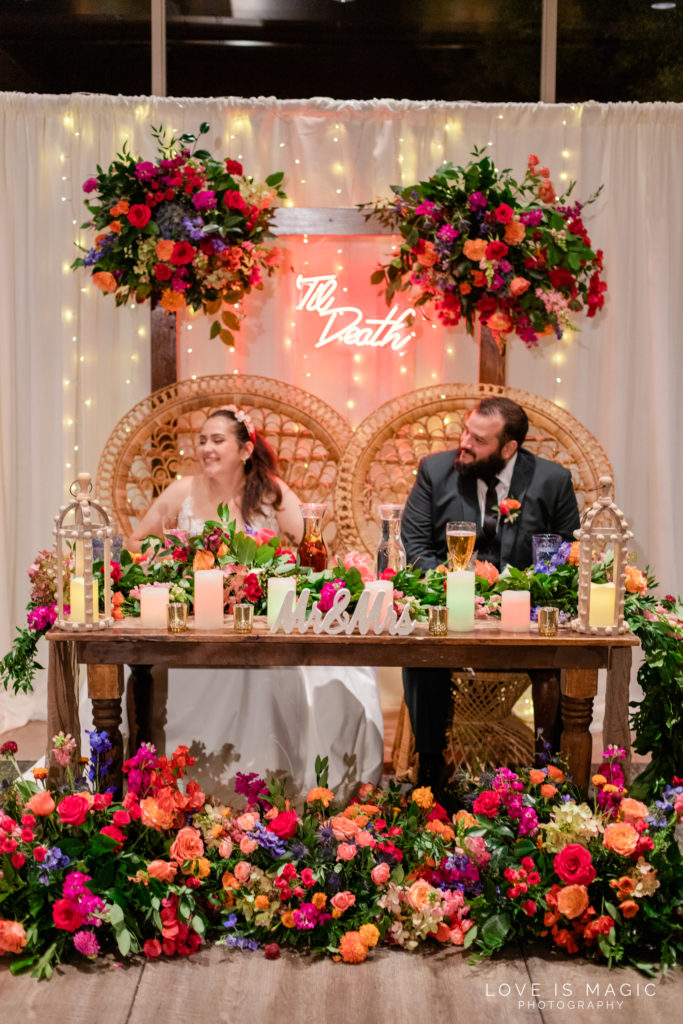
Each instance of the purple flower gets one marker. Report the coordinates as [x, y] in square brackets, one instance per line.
[90, 184]
[86, 943]
[531, 217]
[250, 785]
[231, 922]
[145, 170]
[477, 201]
[426, 208]
[447, 232]
[267, 840]
[241, 942]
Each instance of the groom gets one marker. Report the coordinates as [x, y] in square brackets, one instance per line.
[489, 466]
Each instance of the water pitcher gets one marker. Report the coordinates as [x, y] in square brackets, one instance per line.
[312, 551]
[390, 551]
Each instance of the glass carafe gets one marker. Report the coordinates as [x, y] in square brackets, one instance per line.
[312, 551]
[390, 551]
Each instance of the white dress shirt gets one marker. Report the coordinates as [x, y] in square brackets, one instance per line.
[503, 481]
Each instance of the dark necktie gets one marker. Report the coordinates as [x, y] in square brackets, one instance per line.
[490, 516]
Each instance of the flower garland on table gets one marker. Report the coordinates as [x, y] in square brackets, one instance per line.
[185, 230]
[249, 558]
[477, 243]
[164, 870]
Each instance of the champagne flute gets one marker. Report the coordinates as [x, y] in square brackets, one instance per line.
[460, 538]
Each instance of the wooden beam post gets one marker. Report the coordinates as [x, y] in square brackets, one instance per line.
[163, 359]
[491, 359]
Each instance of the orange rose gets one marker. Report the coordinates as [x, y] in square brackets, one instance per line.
[343, 828]
[629, 908]
[105, 281]
[418, 894]
[500, 322]
[572, 900]
[515, 233]
[12, 937]
[518, 285]
[546, 192]
[427, 255]
[624, 886]
[172, 301]
[556, 773]
[187, 845]
[162, 869]
[40, 804]
[635, 580]
[352, 949]
[547, 790]
[155, 815]
[475, 249]
[164, 248]
[115, 226]
[621, 838]
[203, 560]
[487, 571]
[633, 809]
[536, 776]
[466, 819]
[573, 556]
[343, 900]
[228, 881]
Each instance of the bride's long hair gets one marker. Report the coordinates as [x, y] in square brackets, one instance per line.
[260, 469]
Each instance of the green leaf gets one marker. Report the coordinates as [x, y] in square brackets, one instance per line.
[377, 277]
[227, 338]
[116, 915]
[215, 329]
[273, 180]
[124, 942]
[470, 936]
[495, 930]
[230, 320]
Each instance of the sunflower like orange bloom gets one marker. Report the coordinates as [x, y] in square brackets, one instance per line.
[172, 301]
[353, 950]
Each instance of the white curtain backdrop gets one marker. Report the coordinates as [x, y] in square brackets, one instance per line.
[72, 363]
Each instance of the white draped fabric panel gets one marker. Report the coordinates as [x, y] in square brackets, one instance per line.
[73, 363]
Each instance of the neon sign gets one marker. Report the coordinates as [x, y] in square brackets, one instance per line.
[348, 324]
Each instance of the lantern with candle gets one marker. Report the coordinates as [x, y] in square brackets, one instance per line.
[602, 538]
[78, 524]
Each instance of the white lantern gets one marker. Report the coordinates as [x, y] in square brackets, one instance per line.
[603, 529]
[79, 523]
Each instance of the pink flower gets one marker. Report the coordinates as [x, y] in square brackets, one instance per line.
[307, 878]
[242, 871]
[90, 184]
[380, 873]
[361, 561]
[86, 943]
[343, 900]
[264, 536]
[248, 845]
[346, 851]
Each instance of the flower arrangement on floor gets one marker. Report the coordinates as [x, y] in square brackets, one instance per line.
[164, 870]
[248, 559]
[184, 230]
[477, 243]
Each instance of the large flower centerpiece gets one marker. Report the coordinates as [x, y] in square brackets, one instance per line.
[479, 244]
[164, 869]
[184, 230]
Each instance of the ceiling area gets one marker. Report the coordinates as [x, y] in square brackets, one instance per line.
[486, 50]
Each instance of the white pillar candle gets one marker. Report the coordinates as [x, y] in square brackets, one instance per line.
[278, 589]
[208, 599]
[382, 591]
[515, 610]
[460, 600]
[602, 604]
[153, 607]
[77, 600]
[80, 559]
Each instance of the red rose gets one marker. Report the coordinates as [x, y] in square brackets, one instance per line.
[496, 250]
[114, 833]
[152, 948]
[251, 589]
[504, 213]
[573, 865]
[487, 803]
[65, 917]
[271, 951]
[233, 166]
[561, 278]
[182, 253]
[234, 201]
[486, 305]
[73, 809]
[139, 215]
[284, 824]
[162, 272]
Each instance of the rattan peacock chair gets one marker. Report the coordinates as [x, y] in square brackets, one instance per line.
[380, 464]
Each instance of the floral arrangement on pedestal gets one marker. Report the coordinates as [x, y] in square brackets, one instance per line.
[477, 243]
[248, 559]
[164, 870]
[185, 230]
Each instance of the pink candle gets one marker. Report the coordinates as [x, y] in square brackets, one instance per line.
[153, 606]
[382, 591]
[515, 610]
[208, 599]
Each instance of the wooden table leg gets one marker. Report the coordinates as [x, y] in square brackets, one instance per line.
[579, 687]
[105, 688]
[545, 693]
[62, 704]
[615, 726]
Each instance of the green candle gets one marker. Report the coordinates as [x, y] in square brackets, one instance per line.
[460, 600]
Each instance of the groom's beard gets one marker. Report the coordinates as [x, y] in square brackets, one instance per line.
[486, 469]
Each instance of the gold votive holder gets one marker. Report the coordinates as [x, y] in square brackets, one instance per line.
[548, 620]
[243, 618]
[177, 616]
[438, 620]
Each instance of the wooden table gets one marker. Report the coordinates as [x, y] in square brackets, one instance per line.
[573, 657]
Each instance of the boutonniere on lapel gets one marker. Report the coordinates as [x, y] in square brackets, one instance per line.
[508, 509]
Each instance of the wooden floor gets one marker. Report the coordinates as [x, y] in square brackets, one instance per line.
[393, 987]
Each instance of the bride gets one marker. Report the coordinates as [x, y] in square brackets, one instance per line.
[271, 721]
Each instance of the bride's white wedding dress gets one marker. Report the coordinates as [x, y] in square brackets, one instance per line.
[272, 721]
